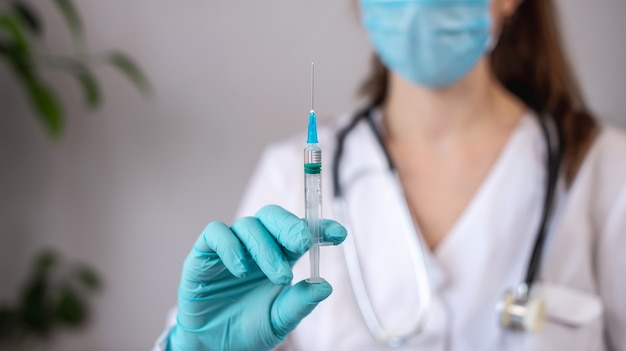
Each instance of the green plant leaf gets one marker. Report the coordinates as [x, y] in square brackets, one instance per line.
[42, 98]
[71, 309]
[4, 49]
[19, 59]
[9, 25]
[35, 307]
[27, 16]
[46, 259]
[91, 89]
[88, 277]
[72, 18]
[131, 70]
[47, 106]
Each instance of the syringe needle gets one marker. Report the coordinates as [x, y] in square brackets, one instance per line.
[312, 86]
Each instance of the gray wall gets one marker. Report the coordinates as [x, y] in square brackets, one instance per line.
[131, 186]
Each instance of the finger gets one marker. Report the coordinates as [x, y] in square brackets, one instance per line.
[263, 249]
[290, 231]
[219, 239]
[217, 254]
[332, 231]
[294, 303]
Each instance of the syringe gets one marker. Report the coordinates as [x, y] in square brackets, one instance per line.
[313, 188]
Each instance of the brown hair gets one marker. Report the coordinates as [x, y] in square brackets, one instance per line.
[530, 62]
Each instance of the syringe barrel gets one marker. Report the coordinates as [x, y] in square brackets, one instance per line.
[313, 191]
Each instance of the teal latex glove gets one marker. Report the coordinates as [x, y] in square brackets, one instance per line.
[235, 292]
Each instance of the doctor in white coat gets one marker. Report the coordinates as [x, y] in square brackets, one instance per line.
[477, 118]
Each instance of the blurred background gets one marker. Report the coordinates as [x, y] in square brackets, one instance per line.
[128, 187]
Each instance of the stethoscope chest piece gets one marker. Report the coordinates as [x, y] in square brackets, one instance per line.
[517, 311]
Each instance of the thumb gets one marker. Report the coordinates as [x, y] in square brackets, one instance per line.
[294, 303]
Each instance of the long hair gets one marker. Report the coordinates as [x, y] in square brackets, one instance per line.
[530, 62]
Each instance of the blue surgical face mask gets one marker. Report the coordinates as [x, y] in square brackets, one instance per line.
[432, 43]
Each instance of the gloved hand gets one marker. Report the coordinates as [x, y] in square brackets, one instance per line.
[235, 292]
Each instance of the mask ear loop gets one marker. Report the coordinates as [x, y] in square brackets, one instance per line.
[492, 42]
[496, 35]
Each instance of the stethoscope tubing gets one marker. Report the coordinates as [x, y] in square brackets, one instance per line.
[553, 162]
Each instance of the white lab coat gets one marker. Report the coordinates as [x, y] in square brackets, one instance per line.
[582, 277]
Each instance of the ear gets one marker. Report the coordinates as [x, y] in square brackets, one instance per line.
[501, 10]
[508, 7]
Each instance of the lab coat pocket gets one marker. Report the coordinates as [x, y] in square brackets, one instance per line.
[573, 321]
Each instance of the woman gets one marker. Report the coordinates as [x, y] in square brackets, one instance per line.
[468, 99]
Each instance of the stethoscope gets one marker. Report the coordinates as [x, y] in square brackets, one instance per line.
[517, 310]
